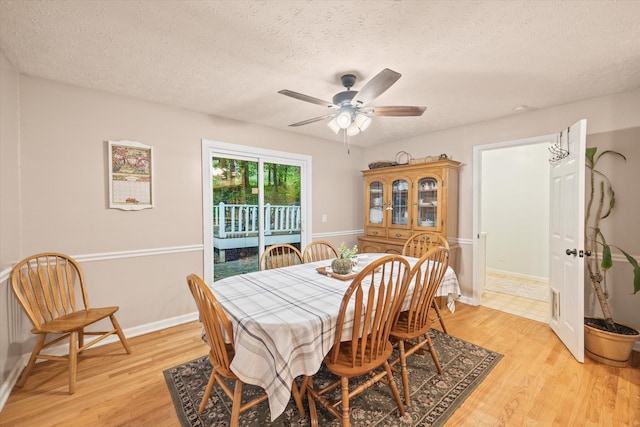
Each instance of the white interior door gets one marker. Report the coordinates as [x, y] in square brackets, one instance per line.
[566, 240]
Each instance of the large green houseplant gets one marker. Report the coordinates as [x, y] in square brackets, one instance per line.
[602, 200]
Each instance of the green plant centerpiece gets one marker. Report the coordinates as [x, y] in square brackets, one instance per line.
[602, 200]
[344, 263]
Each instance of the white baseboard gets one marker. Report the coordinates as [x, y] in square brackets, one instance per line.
[518, 275]
[60, 350]
[467, 300]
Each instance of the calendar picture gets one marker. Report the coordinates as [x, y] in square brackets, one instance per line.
[130, 175]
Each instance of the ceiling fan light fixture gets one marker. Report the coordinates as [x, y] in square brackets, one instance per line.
[353, 129]
[362, 121]
[333, 125]
[344, 119]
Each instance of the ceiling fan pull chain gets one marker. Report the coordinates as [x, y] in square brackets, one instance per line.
[346, 140]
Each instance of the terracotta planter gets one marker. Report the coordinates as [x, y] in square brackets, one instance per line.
[607, 347]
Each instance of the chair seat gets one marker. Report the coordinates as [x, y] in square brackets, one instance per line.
[75, 321]
[401, 329]
[343, 367]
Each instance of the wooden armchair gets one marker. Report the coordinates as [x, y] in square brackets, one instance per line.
[47, 286]
[418, 245]
[282, 255]
[319, 250]
[359, 354]
[412, 326]
[216, 326]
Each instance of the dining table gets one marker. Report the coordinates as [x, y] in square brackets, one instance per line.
[284, 321]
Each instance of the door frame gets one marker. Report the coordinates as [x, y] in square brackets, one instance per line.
[478, 150]
[209, 147]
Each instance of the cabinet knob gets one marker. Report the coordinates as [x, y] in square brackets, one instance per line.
[398, 234]
[375, 233]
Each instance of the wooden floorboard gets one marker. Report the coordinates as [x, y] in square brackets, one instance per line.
[537, 383]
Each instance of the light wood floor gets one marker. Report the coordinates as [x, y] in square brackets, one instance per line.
[538, 383]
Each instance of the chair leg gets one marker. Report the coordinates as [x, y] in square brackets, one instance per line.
[32, 361]
[297, 396]
[344, 385]
[394, 388]
[73, 360]
[404, 372]
[123, 339]
[434, 304]
[207, 392]
[237, 402]
[80, 340]
[307, 384]
[433, 352]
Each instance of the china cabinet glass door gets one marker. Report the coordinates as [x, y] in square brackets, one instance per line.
[376, 203]
[400, 202]
[427, 202]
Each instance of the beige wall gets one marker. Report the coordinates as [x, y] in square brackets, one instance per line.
[9, 163]
[10, 332]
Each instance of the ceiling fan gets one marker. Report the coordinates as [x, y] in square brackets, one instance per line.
[350, 108]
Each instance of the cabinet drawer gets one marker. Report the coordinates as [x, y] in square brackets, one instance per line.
[369, 247]
[399, 234]
[375, 232]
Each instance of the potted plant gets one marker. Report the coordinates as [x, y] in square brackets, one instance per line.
[344, 263]
[605, 340]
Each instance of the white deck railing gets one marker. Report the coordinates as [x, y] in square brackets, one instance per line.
[230, 220]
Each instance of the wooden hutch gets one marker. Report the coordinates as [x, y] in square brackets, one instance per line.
[402, 200]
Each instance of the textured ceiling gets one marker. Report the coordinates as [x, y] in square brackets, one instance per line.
[467, 61]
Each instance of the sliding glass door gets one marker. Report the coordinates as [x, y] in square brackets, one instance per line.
[255, 199]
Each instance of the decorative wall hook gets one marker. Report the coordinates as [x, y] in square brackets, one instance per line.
[558, 152]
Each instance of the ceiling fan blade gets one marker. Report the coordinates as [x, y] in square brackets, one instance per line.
[398, 111]
[313, 120]
[376, 87]
[306, 98]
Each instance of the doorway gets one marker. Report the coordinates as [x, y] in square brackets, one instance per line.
[252, 199]
[513, 226]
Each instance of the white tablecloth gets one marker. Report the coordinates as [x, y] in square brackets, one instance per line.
[284, 322]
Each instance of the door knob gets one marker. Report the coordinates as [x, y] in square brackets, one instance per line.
[571, 252]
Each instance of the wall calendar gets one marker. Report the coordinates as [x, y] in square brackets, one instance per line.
[130, 175]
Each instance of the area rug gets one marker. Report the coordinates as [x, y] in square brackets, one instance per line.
[434, 398]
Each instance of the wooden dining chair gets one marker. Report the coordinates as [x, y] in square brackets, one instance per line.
[416, 246]
[411, 329]
[281, 255]
[363, 346]
[51, 289]
[217, 326]
[319, 250]
[419, 243]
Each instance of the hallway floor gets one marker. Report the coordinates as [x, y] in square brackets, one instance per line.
[521, 297]
[523, 307]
